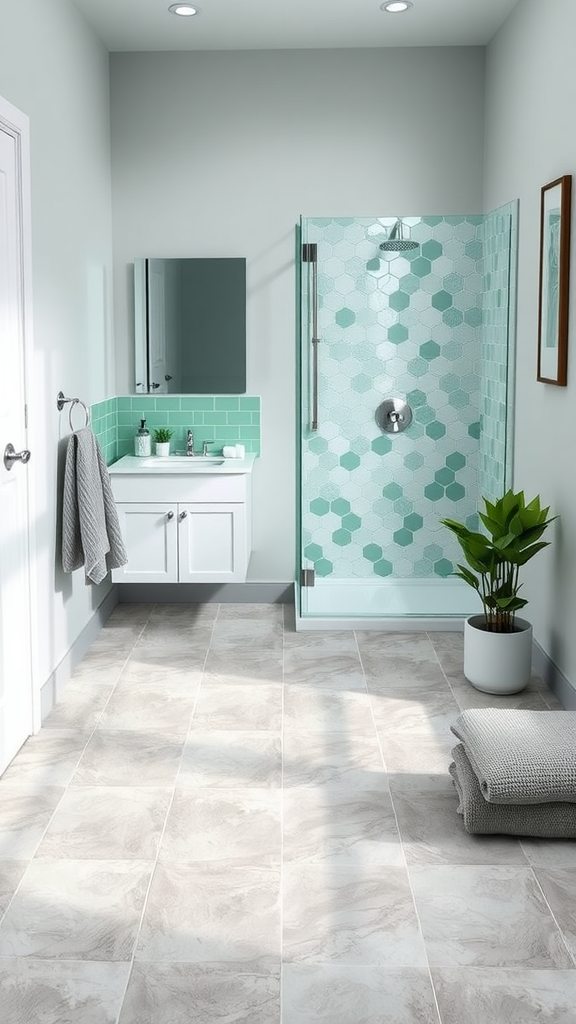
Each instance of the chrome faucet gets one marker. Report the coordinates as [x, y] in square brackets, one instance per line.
[205, 447]
[190, 443]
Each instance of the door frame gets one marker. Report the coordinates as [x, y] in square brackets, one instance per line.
[18, 124]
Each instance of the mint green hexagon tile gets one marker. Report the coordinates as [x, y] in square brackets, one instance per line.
[319, 506]
[313, 552]
[416, 398]
[413, 461]
[474, 249]
[383, 567]
[345, 317]
[444, 476]
[449, 382]
[349, 461]
[420, 267]
[413, 522]
[323, 567]
[340, 506]
[442, 300]
[435, 430]
[351, 522]
[418, 367]
[397, 334]
[425, 414]
[458, 399]
[318, 445]
[372, 552]
[453, 317]
[443, 232]
[399, 300]
[342, 537]
[470, 383]
[465, 266]
[456, 461]
[443, 568]
[434, 492]
[402, 507]
[433, 552]
[455, 492]
[453, 283]
[431, 317]
[430, 350]
[473, 316]
[392, 491]
[423, 567]
[432, 249]
[465, 231]
[474, 429]
[403, 537]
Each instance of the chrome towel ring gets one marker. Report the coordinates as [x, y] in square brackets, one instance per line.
[61, 401]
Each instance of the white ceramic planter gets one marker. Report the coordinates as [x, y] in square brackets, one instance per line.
[497, 662]
[162, 448]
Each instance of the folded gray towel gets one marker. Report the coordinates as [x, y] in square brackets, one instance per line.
[90, 527]
[549, 820]
[521, 757]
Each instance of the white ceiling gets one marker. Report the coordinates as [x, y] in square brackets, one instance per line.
[293, 24]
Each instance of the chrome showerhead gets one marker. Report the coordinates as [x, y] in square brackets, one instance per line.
[396, 241]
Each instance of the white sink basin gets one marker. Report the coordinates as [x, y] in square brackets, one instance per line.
[186, 462]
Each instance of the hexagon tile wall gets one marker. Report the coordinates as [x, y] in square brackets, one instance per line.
[407, 325]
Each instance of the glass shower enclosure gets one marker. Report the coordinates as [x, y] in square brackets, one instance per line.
[405, 380]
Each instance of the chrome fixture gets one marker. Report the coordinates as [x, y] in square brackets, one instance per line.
[310, 256]
[393, 415]
[396, 241]
[11, 456]
[190, 443]
[205, 447]
[61, 401]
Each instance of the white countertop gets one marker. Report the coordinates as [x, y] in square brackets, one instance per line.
[132, 465]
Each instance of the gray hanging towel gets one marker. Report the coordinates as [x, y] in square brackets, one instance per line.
[90, 527]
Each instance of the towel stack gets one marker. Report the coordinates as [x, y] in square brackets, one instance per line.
[515, 772]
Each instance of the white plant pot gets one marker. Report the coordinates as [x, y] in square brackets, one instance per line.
[497, 662]
[162, 448]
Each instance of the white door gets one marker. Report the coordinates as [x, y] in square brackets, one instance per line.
[16, 694]
[212, 542]
[150, 534]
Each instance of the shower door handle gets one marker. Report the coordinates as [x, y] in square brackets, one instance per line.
[310, 255]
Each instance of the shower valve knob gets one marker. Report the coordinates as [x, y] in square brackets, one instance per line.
[393, 415]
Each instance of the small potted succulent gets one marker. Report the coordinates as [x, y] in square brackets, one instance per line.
[161, 437]
[497, 642]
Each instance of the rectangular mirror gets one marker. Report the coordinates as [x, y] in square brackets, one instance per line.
[190, 326]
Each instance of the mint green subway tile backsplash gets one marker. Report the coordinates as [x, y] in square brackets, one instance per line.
[228, 419]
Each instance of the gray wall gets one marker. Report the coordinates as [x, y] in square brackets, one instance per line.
[218, 154]
[54, 70]
[531, 88]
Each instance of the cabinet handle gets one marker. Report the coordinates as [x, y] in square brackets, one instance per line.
[183, 515]
[170, 515]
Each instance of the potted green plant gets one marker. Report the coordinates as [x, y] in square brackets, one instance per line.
[161, 437]
[497, 642]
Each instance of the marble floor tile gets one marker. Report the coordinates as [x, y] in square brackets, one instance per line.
[431, 714]
[76, 910]
[235, 826]
[181, 638]
[231, 759]
[251, 612]
[160, 707]
[327, 711]
[231, 634]
[495, 996]
[413, 646]
[69, 992]
[431, 831]
[328, 994]
[174, 668]
[487, 916]
[350, 915]
[115, 757]
[25, 811]
[549, 853]
[186, 615]
[320, 759]
[11, 873]
[397, 674]
[416, 754]
[331, 825]
[81, 705]
[47, 759]
[106, 823]
[559, 888]
[100, 666]
[304, 667]
[324, 642]
[251, 666]
[229, 706]
[213, 914]
[199, 994]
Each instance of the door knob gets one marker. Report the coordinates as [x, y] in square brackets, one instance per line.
[11, 456]
[183, 515]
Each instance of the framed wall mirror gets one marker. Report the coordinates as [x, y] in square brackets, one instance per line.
[190, 325]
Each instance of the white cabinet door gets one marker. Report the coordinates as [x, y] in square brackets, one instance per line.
[150, 532]
[212, 542]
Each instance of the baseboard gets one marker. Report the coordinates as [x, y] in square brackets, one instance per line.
[205, 593]
[554, 678]
[53, 688]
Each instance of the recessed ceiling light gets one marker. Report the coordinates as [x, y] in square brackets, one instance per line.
[396, 7]
[184, 10]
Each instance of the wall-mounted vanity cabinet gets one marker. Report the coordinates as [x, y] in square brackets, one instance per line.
[183, 523]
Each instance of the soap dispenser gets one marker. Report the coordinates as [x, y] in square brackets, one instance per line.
[142, 444]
